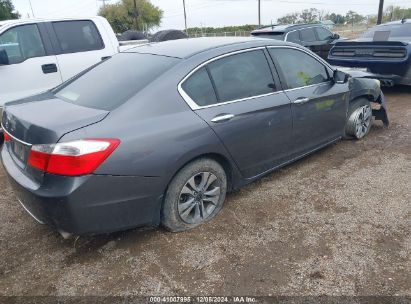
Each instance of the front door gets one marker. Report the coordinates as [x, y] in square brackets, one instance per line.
[30, 69]
[318, 104]
[237, 96]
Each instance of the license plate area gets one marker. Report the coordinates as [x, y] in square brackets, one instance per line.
[19, 151]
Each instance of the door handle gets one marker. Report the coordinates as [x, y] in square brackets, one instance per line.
[222, 118]
[49, 68]
[105, 58]
[301, 100]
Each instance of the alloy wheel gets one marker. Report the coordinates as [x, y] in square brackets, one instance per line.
[363, 121]
[199, 198]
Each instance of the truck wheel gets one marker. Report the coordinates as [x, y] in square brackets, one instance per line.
[132, 35]
[168, 35]
[359, 120]
[194, 196]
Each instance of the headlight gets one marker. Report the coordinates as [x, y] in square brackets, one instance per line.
[378, 83]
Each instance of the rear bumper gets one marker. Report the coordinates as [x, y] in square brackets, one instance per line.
[390, 73]
[89, 204]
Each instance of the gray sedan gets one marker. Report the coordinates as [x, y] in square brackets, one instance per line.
[160, 133]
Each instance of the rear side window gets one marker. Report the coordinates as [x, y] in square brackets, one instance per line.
[21, 43]
[78, 36]
[298, 68]
[241, 76]
[294, 37]
[323, 34]
[200, 89]
[308, 35]
[115, 80]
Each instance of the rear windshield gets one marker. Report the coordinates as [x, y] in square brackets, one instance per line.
[394, 30]
[114, 81]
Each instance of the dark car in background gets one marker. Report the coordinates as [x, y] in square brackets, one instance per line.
[315, 37]
[384, 51]
[160, 133]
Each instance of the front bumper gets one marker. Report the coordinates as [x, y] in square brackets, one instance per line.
[89, 204]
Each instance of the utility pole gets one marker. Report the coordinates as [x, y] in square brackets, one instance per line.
[104, 2]
[135, 15]
[32, 11]
[259, 13]
[380, 11]
[185, 15]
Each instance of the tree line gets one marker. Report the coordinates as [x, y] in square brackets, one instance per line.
[314, 15]
[7, 10]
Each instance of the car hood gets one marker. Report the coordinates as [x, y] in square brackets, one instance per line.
[44, 119]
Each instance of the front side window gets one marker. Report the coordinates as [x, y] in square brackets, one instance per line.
[323, 34]
[294, 37]
[200, 89]
[308, 35]
[21, 43]
[77, 36]
[241, 76]
[298, 68]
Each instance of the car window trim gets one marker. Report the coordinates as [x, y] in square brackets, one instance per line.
[286, 36]
[194, 106]
[327, 67]
[41, 38]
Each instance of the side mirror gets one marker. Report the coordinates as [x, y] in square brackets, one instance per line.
[340, 77]
[335, 36]
[4, 58]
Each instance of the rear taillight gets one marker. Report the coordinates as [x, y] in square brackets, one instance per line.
[72, 158]
[6, 137]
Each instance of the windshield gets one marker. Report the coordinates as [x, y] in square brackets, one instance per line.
[392, 30]
[114, 81]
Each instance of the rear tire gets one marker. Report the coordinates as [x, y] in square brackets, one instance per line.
[194, 196]
[359, 120]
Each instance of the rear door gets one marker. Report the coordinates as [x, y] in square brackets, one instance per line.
[319, 105]
[79, 45]
[32, 67]
[238, 97]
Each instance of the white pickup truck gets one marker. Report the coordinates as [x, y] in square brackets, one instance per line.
[37, 55]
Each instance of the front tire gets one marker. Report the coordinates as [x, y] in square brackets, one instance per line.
[194, 196]
[359, 120]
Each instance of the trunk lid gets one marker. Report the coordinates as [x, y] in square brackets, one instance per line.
[42, 119]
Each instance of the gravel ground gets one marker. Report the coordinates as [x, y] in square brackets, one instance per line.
[334, 223]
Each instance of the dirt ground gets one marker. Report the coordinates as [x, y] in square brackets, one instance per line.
[334, 223]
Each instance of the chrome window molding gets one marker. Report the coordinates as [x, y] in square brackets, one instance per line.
[194, 106]
[308, 52]
[15, 138]
[308, 27]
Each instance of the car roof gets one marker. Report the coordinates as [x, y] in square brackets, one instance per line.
[397, 22]
[284, 27]
[38, 20]
[184, 48]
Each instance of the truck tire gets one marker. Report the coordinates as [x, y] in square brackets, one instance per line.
[168, 35]
[132, 35]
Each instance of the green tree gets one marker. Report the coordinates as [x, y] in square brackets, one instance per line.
[336, 18]
[289, 19]
[353, 17]
[121, 15]
[309, 15]
[7, 10]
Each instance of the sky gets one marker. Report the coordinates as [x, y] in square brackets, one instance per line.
[203, 13]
